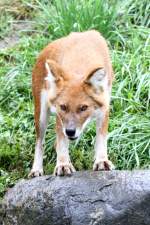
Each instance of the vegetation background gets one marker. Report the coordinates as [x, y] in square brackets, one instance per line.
[25, 28]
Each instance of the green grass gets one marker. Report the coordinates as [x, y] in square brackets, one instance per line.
[62, 17]
[126, 27]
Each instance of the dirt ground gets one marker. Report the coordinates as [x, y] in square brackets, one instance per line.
[21, 21]
[13, 38]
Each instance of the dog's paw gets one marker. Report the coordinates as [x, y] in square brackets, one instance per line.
[63, 169]
[35, 173]
[103, 165]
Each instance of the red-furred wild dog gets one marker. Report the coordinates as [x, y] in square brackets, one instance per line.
[72, 77]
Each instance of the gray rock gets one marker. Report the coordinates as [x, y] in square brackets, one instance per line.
[86, 198]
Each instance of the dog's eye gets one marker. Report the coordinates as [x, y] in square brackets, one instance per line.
[63, 108]
[83, 108]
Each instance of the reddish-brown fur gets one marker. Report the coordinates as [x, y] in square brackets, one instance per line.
[73, 59]
[66, 52]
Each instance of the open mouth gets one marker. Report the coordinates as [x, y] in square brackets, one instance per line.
[72, 138]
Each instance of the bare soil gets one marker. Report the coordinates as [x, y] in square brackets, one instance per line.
[14, 37]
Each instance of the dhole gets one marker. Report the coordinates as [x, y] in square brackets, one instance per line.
[73, 78]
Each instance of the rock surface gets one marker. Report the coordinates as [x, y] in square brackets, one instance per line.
[86, 198]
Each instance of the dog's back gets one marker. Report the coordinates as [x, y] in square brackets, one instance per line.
[78, 54]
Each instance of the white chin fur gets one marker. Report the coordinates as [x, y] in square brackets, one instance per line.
[80, 131]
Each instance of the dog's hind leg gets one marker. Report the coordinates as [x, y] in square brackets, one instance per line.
[41, 114]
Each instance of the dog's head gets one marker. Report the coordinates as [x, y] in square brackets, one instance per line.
[76, 101]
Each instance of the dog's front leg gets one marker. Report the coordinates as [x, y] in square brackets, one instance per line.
[63, 164]
[101, 158]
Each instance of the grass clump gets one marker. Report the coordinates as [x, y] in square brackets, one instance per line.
[5, 24]
[127, 29]
[62, 17]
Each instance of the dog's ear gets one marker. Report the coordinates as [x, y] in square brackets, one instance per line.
[97, 79]
[96, 86]
[54, 79]
[54, 72]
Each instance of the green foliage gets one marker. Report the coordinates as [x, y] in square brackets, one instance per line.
[62, 17]
[126, 26]
[5, 24]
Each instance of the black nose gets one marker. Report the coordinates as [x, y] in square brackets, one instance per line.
[70, 132]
